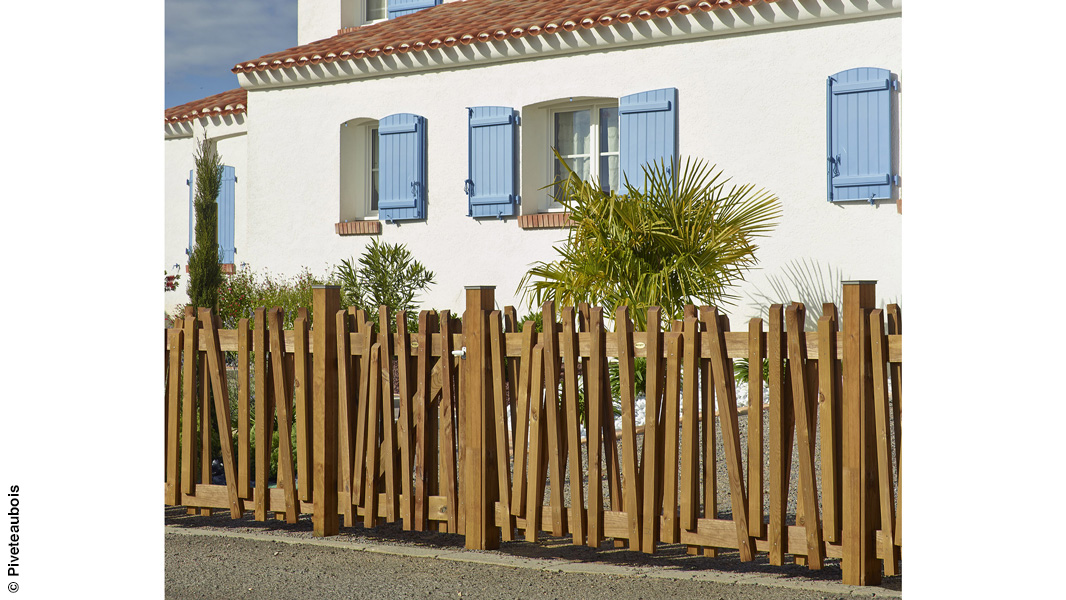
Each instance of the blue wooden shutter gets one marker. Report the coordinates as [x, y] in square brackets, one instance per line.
[859, 134]
[401, 167]
[492, 187]
[226, 215]
[398, 8]
[647, 124]
[192, 212]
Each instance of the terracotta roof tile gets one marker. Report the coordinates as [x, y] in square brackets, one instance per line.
[219, 105]
[477, 21]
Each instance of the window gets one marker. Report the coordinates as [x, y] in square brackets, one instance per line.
[587, 140]
[860, 135]
[359, 158]
[375, 10]
[372, 177]
[225, 214]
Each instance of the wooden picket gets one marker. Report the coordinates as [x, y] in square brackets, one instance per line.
[423, 445]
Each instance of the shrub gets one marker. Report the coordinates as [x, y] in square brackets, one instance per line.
[386, 274]
[205, 273]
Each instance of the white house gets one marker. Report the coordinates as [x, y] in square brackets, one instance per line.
[431, 124]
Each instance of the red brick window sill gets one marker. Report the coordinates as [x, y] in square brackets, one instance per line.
[554, 220]
[227, 268]
[367, 227]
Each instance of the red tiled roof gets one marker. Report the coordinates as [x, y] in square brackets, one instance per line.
[219, 105]
[479, 21]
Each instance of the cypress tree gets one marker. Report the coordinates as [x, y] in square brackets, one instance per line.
[205, 272]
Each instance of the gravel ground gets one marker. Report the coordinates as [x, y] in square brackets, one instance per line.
[210, 567]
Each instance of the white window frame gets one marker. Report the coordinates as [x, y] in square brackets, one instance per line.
[364, 17]
[595, 154]
[371, 172]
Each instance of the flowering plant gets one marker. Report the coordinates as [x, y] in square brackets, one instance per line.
[170, 282]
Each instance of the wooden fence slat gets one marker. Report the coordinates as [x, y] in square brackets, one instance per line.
[568, 345]
[689, 425]
[671, 525]
[653, 469]
[510, 325]
[778, 474]
[174, 478]
[263, 411]
[610, 451]
[345, 409]
[203, 411]
[388, 442]
[708, 447]
[522, 434]
[895, 371]
[537, 448]
[404, 424]
[446, 430]
[302, 390]
[556, 446]
[244, 412]
[220, 393]
[426, 325]
[631, 484]
[884, 450]
[282, 404]
[188, 427]
[804, 435]
[370, 477]
[368, 339]
[458, 393]
[829, 423]
[594, 401]
[503, 469]
[727, 407]
[756, 354]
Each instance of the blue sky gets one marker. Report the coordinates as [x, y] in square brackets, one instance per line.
[205, 38]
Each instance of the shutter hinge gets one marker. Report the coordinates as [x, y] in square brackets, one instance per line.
[895, 84]
[234, 179]
[518, 120]
[518, 200]
[895, 180]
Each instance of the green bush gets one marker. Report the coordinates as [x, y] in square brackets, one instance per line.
[205, 273]
[386, 274]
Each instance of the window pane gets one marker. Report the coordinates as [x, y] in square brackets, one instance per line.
[573, 132]
[609, 129]
[373, 169]
[375, 10]
[580, 166]
[609, 173]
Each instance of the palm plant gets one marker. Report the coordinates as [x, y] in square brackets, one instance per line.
[685, 238]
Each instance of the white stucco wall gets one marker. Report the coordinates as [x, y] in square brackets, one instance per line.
[752, 103]
[229, 135]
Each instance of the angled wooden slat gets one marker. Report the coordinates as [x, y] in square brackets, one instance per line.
[631, 484]
[446, 430]
[282, 399]
[404, 422]
[671, 526]
[537, 452]
[568, 345]
[895, 371]
[503, 469]
[510, 326]
[220, 392]
[176, 338]
[808, 489]
[779, 452]
[829, 423]
[756, 354]
[727, 407]
[522, 433]
[367, 339]
[556, 419]
[189, 401]
[689, 426]
[203, 411]
[595, 401]
[652, 463]
[345, 410]
[883, 433]
[370, 476]
[458, 341]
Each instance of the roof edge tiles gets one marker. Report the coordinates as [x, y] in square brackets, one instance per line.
[478, 21]
[231, 102]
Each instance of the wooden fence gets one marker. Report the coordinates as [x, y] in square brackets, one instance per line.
[476, 427]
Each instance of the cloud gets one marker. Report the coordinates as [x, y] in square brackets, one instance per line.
[206, 37]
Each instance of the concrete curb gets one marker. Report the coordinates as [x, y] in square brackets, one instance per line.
[555, 564]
